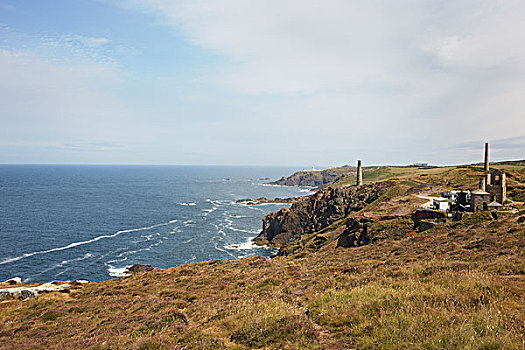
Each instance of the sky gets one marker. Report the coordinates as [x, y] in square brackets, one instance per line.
[270, 82]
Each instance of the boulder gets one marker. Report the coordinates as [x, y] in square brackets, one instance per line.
[354, 235]
[139, 268]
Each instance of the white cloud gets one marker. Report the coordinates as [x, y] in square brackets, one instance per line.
[408, 69]
[45, 101]
[388, 81]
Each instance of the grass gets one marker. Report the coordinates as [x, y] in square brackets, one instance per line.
[393, 314]
[265, 323]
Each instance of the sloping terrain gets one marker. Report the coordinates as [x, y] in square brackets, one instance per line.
[459, 286]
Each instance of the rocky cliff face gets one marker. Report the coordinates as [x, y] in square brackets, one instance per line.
[315, 212]
[317, 178]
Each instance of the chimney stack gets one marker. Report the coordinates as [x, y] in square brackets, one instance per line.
[359, 173]
[486, 157]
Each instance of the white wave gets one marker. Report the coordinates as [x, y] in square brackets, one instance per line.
[65, 262]
[148, 237]
[76, 244]
[209, 211]
[107, 263]
[252, 207]
[119, 271]
[224, 251]
[248, 245]
[192, 259]
[274, 203]
[230, 226]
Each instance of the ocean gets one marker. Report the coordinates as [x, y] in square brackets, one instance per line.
[71, 222]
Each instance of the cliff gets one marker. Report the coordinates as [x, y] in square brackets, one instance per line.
[315, 178]
[316, 212]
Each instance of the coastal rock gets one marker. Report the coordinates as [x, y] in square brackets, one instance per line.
[25, 292]
[314, 178]
[14, 280]
[316, 212]
[139, 268]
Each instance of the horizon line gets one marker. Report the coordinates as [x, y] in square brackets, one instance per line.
[257, 166]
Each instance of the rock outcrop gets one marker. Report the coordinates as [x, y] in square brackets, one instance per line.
[355, 234]
[139, 268]
[314, 178]
[317, 212]
[426, 214]
[25, 292]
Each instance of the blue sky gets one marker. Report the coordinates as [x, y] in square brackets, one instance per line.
[286, 82]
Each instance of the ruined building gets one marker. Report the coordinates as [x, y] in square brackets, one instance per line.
[494, 183]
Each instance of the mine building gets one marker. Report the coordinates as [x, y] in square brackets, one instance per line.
[494, 183]
[494, 206]
[479, 200]
[441, 203]
[492, 193]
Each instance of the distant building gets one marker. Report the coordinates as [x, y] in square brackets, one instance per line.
[451, 195]
[441, 203]
[494, 183]
[494, 206]
[479, 200]
[498, 186]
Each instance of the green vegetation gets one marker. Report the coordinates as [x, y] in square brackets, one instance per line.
[398, 313]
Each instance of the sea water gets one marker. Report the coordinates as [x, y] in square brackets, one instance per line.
[65, 222]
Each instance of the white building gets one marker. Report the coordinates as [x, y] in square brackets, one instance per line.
[441, 203]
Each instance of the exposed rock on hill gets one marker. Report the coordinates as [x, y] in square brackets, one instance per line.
[425, 214]
[355, 234]
[317, 212]
[139, 268]
[314, 178]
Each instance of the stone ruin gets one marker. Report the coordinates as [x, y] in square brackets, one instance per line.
[491, 194]
[495, 183]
